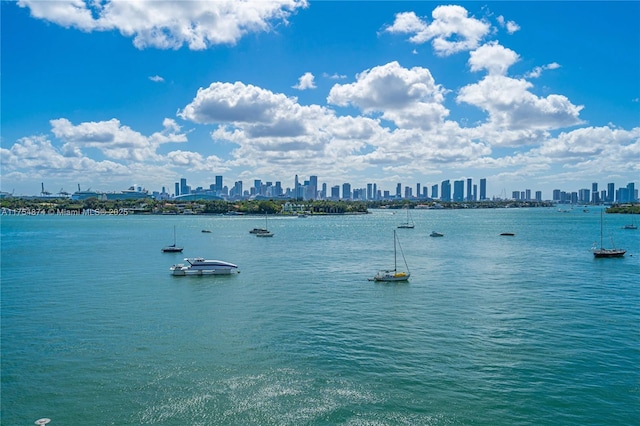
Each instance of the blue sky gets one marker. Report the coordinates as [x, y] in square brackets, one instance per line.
[529, 95]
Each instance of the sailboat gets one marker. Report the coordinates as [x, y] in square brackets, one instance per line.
[172, 248]
[631, 225]
[604, 252]
[409, 223]
[264, 232]
[392, 275]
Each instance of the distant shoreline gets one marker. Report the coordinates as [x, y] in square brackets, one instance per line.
[93, 207]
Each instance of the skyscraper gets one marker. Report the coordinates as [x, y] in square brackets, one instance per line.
[483, 189]
[313, 187]
[445, 189]
[184, 188]
[458, 190]
[469, 186]
[346, 191]
[611, 192]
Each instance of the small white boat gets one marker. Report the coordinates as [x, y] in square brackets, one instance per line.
[201, 266]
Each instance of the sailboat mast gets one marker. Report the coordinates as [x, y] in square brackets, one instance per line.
[601, 219]
[395, 256]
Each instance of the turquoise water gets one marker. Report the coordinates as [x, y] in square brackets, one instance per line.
[492, 330]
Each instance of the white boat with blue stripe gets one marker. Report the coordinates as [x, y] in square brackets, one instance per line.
[201, 266]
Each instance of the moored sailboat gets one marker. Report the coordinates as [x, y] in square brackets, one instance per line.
[606, 252]
[393, 275]
[409, 223]
[172, 248]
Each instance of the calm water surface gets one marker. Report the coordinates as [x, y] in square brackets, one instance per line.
[492, 330]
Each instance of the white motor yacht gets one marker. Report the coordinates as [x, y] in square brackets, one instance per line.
[201, 266]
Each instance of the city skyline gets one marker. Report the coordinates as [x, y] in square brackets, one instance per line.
[447, 190]
[107, 95]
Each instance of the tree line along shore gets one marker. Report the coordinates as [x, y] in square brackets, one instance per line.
[249, 207]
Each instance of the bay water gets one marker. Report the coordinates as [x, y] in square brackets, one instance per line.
[489, 330]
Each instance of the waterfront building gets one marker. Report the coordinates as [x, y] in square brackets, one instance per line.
[458, 190]
[184, 188]
[346, 191]
[445, 189]
[399, 190]
[584, 196]
[434, 191]
[611, 192]
[538, 195]
[407, 192]
[177, 189]
[469, 186]
[313, 187]
[483, 189]
[335, 192]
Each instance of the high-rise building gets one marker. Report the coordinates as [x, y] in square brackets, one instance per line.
[538, 195]
[177, 189]
[527, 194]
[434, 191]
[346, 191]
[398, 190]
[335, 192]
[632, 192]
[407, 192]
[557, 195]
[483, 189]
[594, 193]
[369, 191]
[475, 192]
[611, 192]
[313, 187]
[418, 190]
[445, 189]
[458, 190]
[584, 195]
[469, 186]
[184, 188]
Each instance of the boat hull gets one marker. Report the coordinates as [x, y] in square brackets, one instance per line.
[181, 271]
[391, 276]
[172, 249]
[602, 253]
[201, 266]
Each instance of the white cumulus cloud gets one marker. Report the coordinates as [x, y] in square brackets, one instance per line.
[168, 24]
[492, 57]
[306, 81]
[450, 31]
